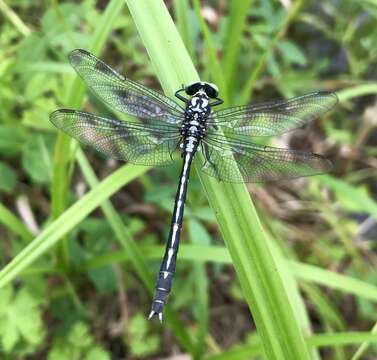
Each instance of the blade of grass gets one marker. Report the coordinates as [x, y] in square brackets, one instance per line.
[330, 318]
[220, 255]
[346, 338]
[246, 351]
[349, 193]
[238, 11]
[11, 221]
[292, 287]
[201, 297]
[326, 311]
[236, 215]
[334, 280]
[356, 91]
[182, 12]
[364, 346]
[14, 19]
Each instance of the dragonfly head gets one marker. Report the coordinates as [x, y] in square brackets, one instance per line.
[209, 89]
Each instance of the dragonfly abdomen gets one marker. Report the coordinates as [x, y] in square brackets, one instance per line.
[167, 268]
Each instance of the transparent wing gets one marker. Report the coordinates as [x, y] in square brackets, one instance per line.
[236, 161]
[123, 94]
[275, 117]
[128, 141]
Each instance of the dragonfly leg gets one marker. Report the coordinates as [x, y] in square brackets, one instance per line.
[217, 102]
[208, 157]
[180, 97]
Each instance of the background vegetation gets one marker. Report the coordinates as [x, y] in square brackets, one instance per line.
[87, 297]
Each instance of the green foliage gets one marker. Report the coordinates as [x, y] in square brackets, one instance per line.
[21, 326]
[141, 343]
[77, 344]
[8, 177]
[37, 158]
[85, 241]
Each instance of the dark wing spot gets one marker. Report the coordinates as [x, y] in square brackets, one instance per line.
[67, 111]
[91, 119]
[123, 94]
[82, 51]
[102, 67]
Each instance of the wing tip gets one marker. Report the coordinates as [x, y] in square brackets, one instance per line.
[76, 55]
[57, 116]
[331, 94]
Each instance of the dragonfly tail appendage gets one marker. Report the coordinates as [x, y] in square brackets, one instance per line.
[163, 287]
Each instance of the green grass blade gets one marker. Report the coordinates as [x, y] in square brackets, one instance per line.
[326, 311]
[14, 18]
[11, 221]
[238, 11]
[236, 215]
[356, 91]
[345, 338]
[334, 280]
[247, 351]
[201, 298]
[182, 12]
[220, 255]
[364, 346]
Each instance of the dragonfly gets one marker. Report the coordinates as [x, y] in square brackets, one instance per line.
[160, 127]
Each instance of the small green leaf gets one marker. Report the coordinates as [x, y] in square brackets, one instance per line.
[7, 177]
[12, 139]
[36, 158]
[292, 53]
[79, 336]
[97, 353]
[104, 279]
[140, 342]
[79, 344]
[20, 319]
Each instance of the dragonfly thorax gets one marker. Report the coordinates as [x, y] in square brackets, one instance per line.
[198, 107]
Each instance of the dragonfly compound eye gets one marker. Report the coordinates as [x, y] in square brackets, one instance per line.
[193, 88]
[211, 90]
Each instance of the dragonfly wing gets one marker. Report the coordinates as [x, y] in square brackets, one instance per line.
[128, 141]
[121, 93]
[235, 161]
[274, 117]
